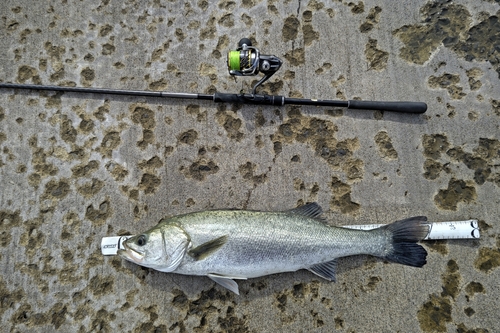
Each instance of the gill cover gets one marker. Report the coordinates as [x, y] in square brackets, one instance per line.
[175, 244]
[162, 247]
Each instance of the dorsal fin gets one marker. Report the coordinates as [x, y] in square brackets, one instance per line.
[310, 210]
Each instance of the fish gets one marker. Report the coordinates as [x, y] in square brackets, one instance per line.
[229, 245]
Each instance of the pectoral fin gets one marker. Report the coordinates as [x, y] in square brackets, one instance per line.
[325, 270]
[204, 250]
[226, 281]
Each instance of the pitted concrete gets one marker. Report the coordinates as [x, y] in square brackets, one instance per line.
[75, 168]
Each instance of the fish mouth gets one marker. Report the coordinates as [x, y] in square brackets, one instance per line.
[130, 254]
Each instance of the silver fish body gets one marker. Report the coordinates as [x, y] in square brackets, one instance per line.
[237, 244]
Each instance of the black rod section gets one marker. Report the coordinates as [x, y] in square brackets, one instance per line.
[411, 107]
[317, 102]
[82, 90]
[142, 93]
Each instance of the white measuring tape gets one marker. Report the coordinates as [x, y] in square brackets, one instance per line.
[111, 245]
[438, 230]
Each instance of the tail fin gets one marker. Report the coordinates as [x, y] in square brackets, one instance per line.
[405, 234]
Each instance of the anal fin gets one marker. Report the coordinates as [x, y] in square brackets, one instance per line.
[325, 270]
[226, 282]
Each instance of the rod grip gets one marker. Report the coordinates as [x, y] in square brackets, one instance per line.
[248, 99]
[410, 107]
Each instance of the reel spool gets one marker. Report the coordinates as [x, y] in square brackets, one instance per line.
[246, 60]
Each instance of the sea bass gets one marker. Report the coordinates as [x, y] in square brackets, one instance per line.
[238, 244]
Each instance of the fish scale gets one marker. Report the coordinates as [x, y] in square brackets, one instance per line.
[280, 241]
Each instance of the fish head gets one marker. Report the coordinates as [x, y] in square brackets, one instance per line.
[161, 248]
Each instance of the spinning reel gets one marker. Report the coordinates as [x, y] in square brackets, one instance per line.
[246, 60]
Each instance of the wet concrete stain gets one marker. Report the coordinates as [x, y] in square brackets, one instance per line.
[488, 259]
[145, 117]
[188, 137]
[439, 246]
[480, 45]
[300, 293]
[247, 171]
[482, 160]
[149, 183]
[151, 165]
[451, 280]
[100, 214]
[372, 20]
[87, 76]
[195, 111]
[212, 308]
[291, 27]
[56, 189]
[376, 58]
[443, 22]
[296, 57]
[449, 24]
[8, 221]
[447, 81]
[473, 75]
[357, 8]
[457, 191]
[461, 328]
[474, 288]
[385, 147]
[85, 170]
[231, 124]
[436, 313]
[118, 172]
[109, 142]
[319, 134]
[434, 145]
[200, 169]
[341, 197]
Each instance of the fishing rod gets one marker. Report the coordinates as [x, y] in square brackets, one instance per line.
[246, 60]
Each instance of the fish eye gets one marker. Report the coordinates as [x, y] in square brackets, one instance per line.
[141, 241]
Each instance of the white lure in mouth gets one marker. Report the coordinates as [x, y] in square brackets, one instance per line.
[131, 255]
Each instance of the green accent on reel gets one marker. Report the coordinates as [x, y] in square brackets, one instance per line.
[233, 60]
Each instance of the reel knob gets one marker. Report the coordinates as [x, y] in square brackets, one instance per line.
[265, 66]
[244, 41]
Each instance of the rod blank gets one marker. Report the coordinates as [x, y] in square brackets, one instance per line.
[408, 107]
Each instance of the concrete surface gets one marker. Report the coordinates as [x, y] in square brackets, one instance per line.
[75, 167]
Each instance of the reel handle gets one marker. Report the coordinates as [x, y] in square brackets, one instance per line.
[249, 99]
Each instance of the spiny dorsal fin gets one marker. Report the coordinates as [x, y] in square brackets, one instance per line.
[326, 270]
[204, 250]
[310, 210]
